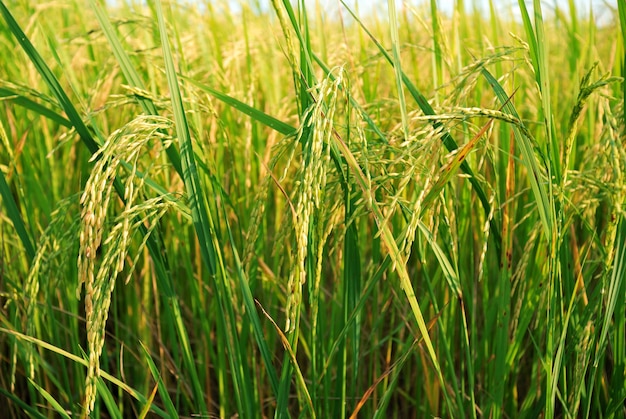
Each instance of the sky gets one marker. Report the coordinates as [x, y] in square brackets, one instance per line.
[484, 4]
[601, 8]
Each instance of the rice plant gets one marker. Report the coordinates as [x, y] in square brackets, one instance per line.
[291, 210]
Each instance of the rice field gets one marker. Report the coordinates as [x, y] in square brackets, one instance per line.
[290, 211]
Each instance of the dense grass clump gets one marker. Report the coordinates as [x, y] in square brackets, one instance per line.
[296, 213]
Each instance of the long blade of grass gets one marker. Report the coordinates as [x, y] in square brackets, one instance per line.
[202, 223]
[546, 101]
[165, 396]
[352, 290]
[109, 400]
[531, 38]
[13, 212]
[21, 100]
[254, 113]
[53, 403]
[615, 298]
[32, 412]
[437, 43]
[250, 305]
[206, 233]
[306, 66]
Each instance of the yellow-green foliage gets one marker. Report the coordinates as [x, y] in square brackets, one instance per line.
[302, 212]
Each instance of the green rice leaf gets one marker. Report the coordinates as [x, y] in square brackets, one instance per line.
[55, 405]
[15, 216]
[250, 305]
[199, 213]
[20, 100]
[109, 401]
[163, 392]
[254, 113]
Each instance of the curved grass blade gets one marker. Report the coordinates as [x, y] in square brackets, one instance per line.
[294, 362]
[539, 58]
[109, 401]
[397, 66]
[32, 412]
[248, 301]
[55, 405]
[202, 223]
[165, 396]
[14, 215]
[23, 101]
[254, 113]
[544, 207]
